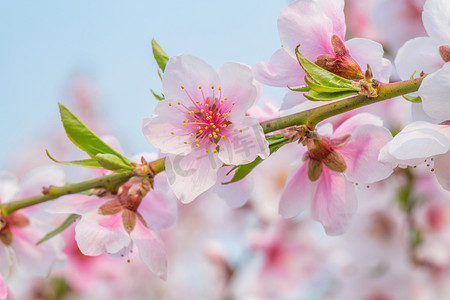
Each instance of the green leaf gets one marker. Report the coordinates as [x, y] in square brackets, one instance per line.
[276, 141]
[84, 138]
[316, 96]
[321, 76]
[159, 54]
[328, 89]
[111, 162]
[413, 99]
[70, 219]
[300, 89]
[158, 97]
[89, 163]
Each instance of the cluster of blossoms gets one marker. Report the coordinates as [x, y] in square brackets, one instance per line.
[215, 144]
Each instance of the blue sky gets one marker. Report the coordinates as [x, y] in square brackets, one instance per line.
[47, 43]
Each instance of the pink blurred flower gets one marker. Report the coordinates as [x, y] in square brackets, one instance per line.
[318, 26]
[332, 164]
[112, 226]
[201, 124]
[3, 289]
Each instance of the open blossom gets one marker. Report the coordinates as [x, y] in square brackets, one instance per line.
[332, 164]
[201, 124]
[422, 142]
[114, 223]
[318, 26]
[19, 233]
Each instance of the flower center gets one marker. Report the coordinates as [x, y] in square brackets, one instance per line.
[207, 119]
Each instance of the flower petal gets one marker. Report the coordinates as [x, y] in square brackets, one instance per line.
[297, 193]
[415, 142]
[96, 234]
[244, 143]
[151, 251]
[3, 288]
[435, 19]
[165, 129]
[361, 154]
[282, 70]
[237, 86]
[350, 125]
[75, 204]
[9, 186]
[366, 52]
[191, 175]
[434, 92]
[159, 207]
[190, 72]
[442, 169]
[334, 202]
[417, 55]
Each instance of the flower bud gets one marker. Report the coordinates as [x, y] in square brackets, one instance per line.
[314, 169]
[343, 64]
[444, 51]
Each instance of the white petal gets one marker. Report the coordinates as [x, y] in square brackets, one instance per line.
[417, 55]
[237, 86]
[366, 52]
[292, 99]
[234, 194]
[435, 18]
[442, 169]
[417, 141]
[191, 175]
[244, 143]
[151, 251]
[190, 72]
[33, 182]
[9, 186]
[435, 91]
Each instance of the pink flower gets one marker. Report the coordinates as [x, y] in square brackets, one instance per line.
[112, 226]
[201, 124]
[332, 164]
[418, 143]
[319, 27]
[3, 289]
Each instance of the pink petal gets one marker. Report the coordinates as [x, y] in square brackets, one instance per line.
[297, 194]
[43, 176]
[158, 129]
[96, 234]
[237, 86]
[191, 175]
[282, 70]
[334, 202]
[4, 260]
[190, 72]
[159, 207]
[435, 19]
[244, 144]
[417, 55]
[151, 251]
[366, 52]
[354, 122]
[442, 170]
[361, 154]
[3, 288]
[292, 99]
[311, 24]
[434, 92]
[75, 204]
